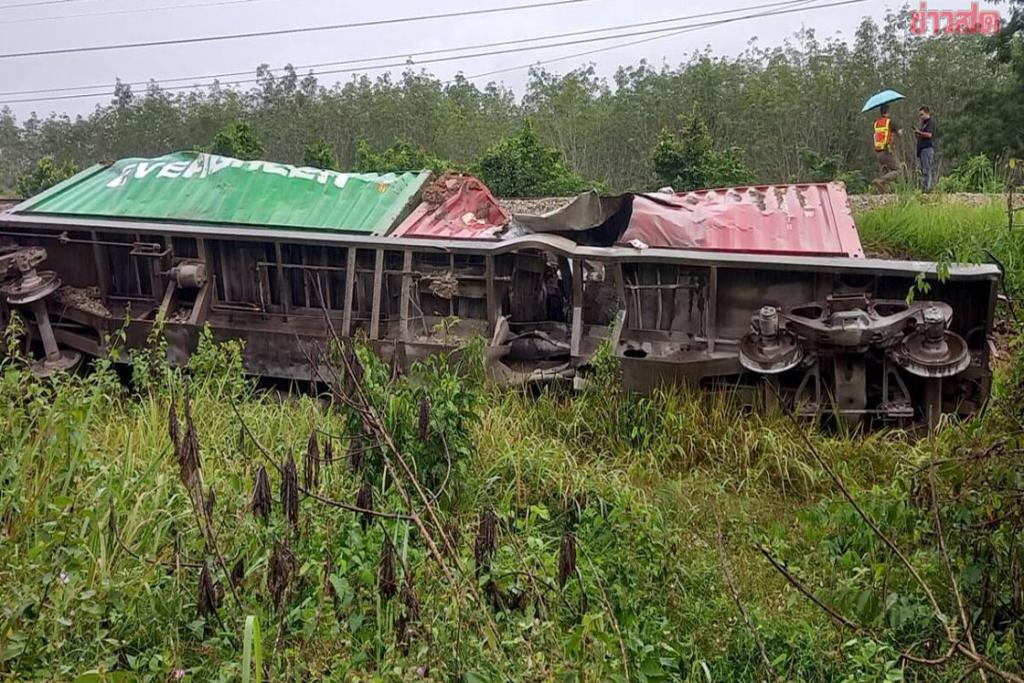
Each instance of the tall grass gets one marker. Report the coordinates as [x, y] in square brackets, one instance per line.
[649, 477]
[940, 228]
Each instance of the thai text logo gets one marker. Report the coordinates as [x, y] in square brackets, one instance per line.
[971, 20]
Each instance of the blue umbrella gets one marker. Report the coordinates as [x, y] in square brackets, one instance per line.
[878, 99]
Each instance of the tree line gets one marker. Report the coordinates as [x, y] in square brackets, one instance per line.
[771, 114]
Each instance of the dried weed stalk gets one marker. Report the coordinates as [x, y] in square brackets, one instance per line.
[364, 501]
[207, 600]
[328, 587]
[238, 573]
[290, 491]
[410, 608]
[566, 558]
[355, 453]
[172, 426]
[486, 541]
[424, 418]
[261, 497]
[387, 584]
[280, 571]
[311, 464]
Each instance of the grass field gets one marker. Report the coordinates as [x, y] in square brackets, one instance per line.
[666, 500]
[939, 228]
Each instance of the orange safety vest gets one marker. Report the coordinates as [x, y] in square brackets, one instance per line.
[883, 133]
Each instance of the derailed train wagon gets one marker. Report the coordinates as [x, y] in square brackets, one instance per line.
[727, 287]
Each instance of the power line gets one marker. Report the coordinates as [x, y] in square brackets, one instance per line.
[39, 3]
[630, 43]
[413, 55]
[674, 30]
[135, 10]
[285, 31]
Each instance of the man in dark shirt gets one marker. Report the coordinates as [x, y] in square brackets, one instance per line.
[926, 147]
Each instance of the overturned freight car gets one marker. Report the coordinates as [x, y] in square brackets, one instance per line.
[761, 286]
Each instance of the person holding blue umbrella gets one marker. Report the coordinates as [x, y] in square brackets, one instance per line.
[886, 133]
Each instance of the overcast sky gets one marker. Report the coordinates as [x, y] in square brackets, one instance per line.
[64, 26]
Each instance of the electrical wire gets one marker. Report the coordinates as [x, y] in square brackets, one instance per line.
[608, 48]
[134, 10]
[39, 3]
[414, 55]
[667, 32]
[287, 31]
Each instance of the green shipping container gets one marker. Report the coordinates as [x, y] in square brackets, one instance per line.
[206, 188]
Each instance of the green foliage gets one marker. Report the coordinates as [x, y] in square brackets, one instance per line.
[823, 168]
[523, 166]
[400, 156]
[976, 174]
[451, 387]
[319, 154]
[689, 161]
[238, 140]
[46, 174]
[252, 650]
[990, 120]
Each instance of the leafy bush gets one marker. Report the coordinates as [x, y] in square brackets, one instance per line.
[975, 174]
[822, 168]
[319, 154]
[238, 140]
[46, 174]
[401, 156]
[522, 166]
[429, 412]
[689, 161]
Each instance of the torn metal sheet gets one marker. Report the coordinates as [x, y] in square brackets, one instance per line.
[589, 220]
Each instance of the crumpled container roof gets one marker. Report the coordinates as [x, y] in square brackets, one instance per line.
[806, 219]
[207, 188]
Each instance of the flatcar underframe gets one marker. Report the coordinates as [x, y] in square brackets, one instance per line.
[830, 335]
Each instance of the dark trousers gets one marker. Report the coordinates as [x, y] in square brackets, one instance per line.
[926, 157]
